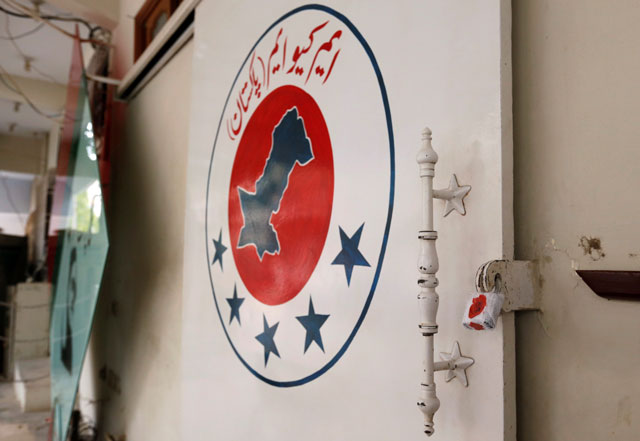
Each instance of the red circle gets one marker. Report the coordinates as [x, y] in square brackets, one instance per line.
[302, 220]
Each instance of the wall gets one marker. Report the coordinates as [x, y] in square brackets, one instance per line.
[21, 157]
[23, 154]
[31, 321]
[457, 83]
[131, 381]
[576, 95]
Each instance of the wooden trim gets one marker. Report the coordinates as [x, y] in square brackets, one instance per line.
[177, 31]
[145, 19]
[613, 285]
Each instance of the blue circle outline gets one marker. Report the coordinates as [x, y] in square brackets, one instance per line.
[387, 111]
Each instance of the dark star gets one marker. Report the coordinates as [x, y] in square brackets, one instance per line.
[266, 339]
[312, 323]
[235, 303]
[220, 249]
[350, 256]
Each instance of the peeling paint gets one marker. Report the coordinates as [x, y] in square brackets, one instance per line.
[552, 244]
[592, 246]
[575, 265]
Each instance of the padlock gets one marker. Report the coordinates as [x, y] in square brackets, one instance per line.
[483, 310]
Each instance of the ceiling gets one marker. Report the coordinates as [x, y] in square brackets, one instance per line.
[35, 60]
[49, 54]
[24, 122]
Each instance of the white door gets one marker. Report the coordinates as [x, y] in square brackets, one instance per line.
[303, 206]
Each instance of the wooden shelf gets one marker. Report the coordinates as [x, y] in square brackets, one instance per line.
[613, 285]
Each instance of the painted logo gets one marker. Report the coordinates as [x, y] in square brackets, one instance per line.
[300, 196]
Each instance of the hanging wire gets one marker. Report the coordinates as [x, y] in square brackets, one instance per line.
[24, 34]
[58, 118]
[46, 17]
[6, 79]
[27, 60]
[34, 15]
[27, 12]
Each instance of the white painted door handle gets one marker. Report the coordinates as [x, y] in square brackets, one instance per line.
[454, 363]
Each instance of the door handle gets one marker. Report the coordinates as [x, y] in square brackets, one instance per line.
[454, 363]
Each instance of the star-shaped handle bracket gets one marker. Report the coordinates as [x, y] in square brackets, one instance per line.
[453, 195]
[455, 364]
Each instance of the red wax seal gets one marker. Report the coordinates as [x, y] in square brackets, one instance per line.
[476, 326]
[478, 305]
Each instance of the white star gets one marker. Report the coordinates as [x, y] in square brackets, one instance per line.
[458, 363]
[453, 195]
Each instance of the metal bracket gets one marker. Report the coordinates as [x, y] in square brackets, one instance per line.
[515, 279]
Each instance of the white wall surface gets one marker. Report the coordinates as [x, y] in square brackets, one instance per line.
[130, 382]
[577, 162]
[446, 65]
